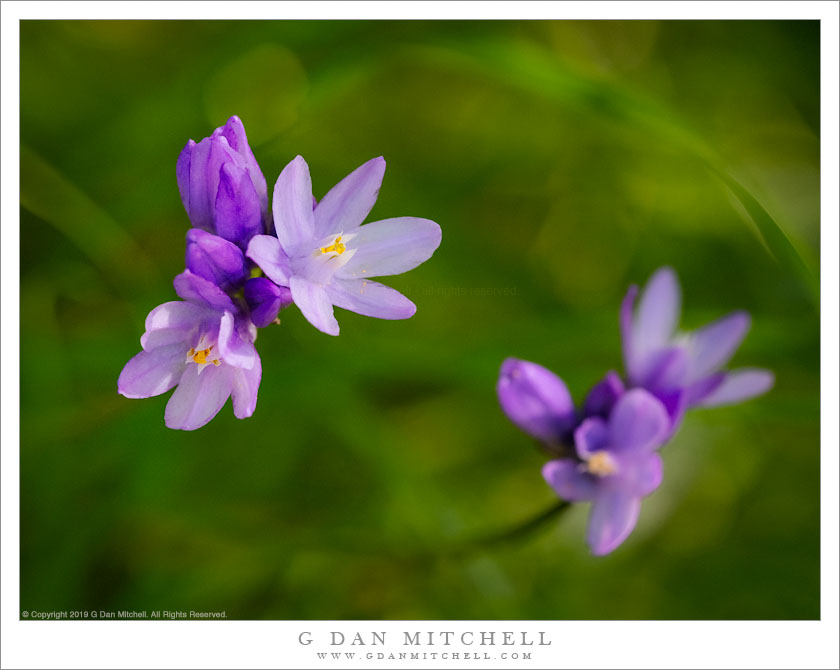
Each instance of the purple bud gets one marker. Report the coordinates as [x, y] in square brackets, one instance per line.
[216, 260]
[603, 396]
[265, 299]
[222, 187]
[536, 400]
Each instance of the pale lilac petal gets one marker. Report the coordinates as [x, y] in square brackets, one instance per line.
[182, 173]
[244, 387]
[314, 303]
[625, 322]
[234, 132]
[612, 518]
[265, 300]
[603, 396]
[591, 435]
[294, 219]
[656, 316]
[740, 385]
[170, 323]
[569, 481]
[215, 259]
[151, 373]
[391, 247]
[237, 214]
[201, 292]
[648, 475]
[350, 201]
[702, 388]
[233, 348]
[370, 298]
[536, 400]
[638, 422]
[199, 397]
[265, 251]
[712, 346]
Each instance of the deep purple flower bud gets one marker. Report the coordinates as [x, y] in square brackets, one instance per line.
[536, 400]
[603, 396]
[222, 187]
[216, 260]
[265, 299]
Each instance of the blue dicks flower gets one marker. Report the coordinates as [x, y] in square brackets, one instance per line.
[684, 370]
[204, 345]
[616, 465]
[222, 186]
[327, 258]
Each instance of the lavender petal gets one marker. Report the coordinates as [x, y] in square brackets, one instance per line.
[265, 251]
[391, 247]
[740, 385]
[314, 303]
[244, 387]
[569, 481]
[613, 517]
[201, 292]
[370, 298]
[234, 349]
[593, 434]
[294, 219]
[171, 322]
[199, 397]
[151, 373]
[639, 422]
[712, 346]
[347, 204]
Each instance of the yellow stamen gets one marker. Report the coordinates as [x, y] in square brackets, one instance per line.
[200, 356]
[601, 464]
[337, 246]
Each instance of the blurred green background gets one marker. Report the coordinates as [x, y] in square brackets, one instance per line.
[563, 160]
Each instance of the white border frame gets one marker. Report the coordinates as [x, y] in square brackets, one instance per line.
[274, 643]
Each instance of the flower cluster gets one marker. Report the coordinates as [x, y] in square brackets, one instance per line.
[608, 447]
[317, 255]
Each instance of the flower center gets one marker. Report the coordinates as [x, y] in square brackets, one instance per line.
[337, 246]
[200, 356]
[601, 464]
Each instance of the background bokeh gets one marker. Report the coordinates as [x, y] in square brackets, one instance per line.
[563, 160]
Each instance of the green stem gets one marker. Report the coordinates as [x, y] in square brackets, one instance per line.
[514, 534]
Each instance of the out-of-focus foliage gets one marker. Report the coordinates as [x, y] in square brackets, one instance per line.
[563, 160]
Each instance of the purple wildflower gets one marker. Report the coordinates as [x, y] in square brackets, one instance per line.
[616, 466]
[204, 345]
[327, 258]
[684, 370]
[222, 186]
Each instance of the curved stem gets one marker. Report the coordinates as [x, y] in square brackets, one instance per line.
[517, 532]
